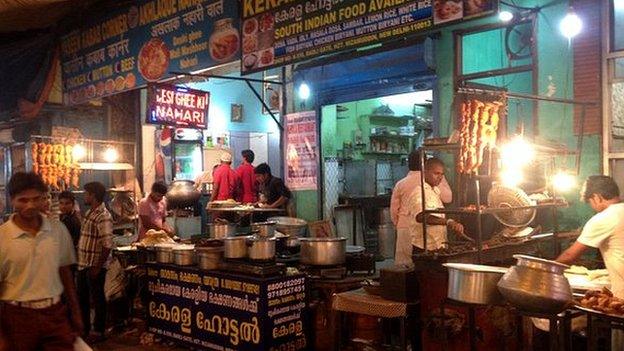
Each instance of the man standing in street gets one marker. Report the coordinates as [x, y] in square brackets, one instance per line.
[36, 281]
[153, 211]
[69, 216]
[604, 231]
[225, 180]
[94, 247]
[247, 178]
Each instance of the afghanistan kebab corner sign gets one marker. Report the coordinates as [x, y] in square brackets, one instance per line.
[280, 32]
[301, 151]
[177, 106]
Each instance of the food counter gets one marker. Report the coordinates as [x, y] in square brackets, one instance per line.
[217, 310]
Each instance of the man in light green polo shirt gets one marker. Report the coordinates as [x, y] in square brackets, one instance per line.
[36, 281]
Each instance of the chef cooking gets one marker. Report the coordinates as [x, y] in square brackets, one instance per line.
[437, 224]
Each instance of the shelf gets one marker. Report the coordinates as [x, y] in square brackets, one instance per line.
[489, 210]
[104, 166]
[393, 136]
[390, 119]
[384, 153]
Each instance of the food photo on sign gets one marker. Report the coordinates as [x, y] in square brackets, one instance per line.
[258, 39]
[447, 10]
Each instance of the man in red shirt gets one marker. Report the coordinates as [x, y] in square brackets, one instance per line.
[247, 178]
[224, 181]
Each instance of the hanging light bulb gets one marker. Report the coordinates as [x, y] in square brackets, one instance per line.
[571, 25]
[505, 16]
[304, 91]
[110, 155]
[79, 152]
[563, 181]
[618, 4]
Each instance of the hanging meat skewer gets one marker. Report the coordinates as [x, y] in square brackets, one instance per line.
[463, 136]
[482, 140]
[34, 152]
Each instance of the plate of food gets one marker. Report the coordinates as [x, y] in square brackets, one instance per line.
[223, 47]
[447, 10]
[475, 7]
[130, 80]
[153, 59]
[266, 22]
[266, 57]
[602, 302]
[250, 26]
[250, 61]
[250, 44]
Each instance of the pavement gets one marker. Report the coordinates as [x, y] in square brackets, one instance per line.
[130, 338]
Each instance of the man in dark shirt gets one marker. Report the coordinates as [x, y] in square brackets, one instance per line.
[276, 194]
[69, 216]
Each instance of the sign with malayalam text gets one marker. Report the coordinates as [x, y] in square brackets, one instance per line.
[301, 151]
[177, 106]
[280, 32]
[126, 47]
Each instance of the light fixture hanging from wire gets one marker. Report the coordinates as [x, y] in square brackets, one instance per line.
[571, 25]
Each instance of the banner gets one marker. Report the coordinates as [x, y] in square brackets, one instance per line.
[177, 106]
[214, 310]
[276, 33]
[301, 151]
[127, 47]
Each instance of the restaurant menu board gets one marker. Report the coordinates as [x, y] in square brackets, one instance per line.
[301, 151]
[123, 49]
[280, 32]
[219, 311]
[177, 106]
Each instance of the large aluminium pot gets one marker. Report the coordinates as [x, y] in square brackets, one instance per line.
[261, 248]
[235, 247]
[264, 229]
[209, 258]
[221, 230]
[164, 253]
[536, 285]
[182, 194]
[289, 225]
[184, 255]
[323, 251]
[474, 284]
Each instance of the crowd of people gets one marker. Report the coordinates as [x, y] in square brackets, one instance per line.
[52, 272]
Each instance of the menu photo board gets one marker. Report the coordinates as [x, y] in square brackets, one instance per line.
[301, 151]
[177, 106]
[131, 45]
[276, 33]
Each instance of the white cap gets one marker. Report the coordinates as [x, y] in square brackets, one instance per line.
[226, 157]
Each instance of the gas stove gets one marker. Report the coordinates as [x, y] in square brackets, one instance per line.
[325, 272]
[261, 269]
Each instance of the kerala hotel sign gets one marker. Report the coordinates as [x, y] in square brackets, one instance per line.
[177, 106]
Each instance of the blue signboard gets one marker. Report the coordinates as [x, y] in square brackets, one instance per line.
[127, 47]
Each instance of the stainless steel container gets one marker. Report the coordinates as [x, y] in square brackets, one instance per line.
[221, 230]
[386, 239]
[323, 251]
[290, 225]
[235, 247]
[264, 229]
[209, 258]
[383, 215]
[261, 248]
[475, 284]
[184, 255]
[536, 285]
[164, 253]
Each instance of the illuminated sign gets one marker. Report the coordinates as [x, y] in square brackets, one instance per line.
[177, 106]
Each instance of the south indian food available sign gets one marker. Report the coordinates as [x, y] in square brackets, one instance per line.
[177, 106]
[127, 47]
[279, 32]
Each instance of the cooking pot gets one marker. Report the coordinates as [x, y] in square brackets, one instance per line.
[260, 248]
[182, 194]
[264, 229]
[184, 255]
[209, 257]
[472, 283]
[290, 225]
[383, 215]
[323, 251]
[164, 253]
[146, 254]
[536, 285]
[235, 247]
[221, 230]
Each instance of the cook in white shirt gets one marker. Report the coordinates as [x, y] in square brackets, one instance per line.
[604, 231]
[410, 234]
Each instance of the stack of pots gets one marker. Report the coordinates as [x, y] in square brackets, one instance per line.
[257, 247]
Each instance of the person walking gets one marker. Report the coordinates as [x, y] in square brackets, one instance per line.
[39, 307]
[94, 247]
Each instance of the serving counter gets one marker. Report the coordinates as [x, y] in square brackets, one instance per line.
[217, 310]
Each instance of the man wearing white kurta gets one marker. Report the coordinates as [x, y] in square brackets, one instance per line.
[604, 231]
[409, 220]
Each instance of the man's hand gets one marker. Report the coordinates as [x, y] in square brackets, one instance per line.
[455, 226]
[94, 271]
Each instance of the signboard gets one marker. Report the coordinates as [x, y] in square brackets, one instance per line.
[276, 33]
[177, 106]
[301, 151]
[219, 311]
[125, 48]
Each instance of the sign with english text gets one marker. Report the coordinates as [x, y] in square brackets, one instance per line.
[139, 42]
[177, 106]
[215, 310]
